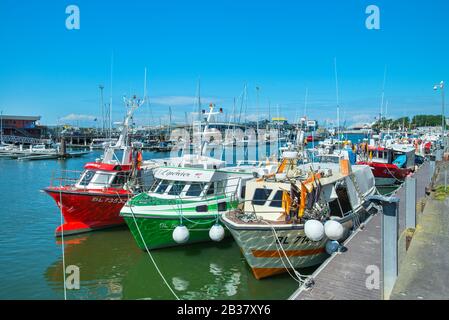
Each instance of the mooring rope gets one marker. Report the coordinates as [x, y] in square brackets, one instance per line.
[299, 277]
[62, 239]
[149, 253]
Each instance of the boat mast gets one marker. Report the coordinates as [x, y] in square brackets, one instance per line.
[110, 98]
[206, 128]
[338, 99]
[257, 112]
[101, 87]
[1, 127]
[383, 95]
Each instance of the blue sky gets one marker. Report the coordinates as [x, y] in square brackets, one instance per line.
[283, 47]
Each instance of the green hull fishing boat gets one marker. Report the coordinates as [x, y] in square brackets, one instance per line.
[188, 196]
[184, 204]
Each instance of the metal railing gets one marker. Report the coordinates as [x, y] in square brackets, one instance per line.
[66, 178]
[24, 140]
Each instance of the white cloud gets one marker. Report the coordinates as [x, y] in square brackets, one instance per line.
[180, 100]
[78, 117]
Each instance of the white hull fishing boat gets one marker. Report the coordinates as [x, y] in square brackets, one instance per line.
[295, 218]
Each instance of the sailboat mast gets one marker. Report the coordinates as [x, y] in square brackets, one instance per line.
[257, 112]
[199, 100]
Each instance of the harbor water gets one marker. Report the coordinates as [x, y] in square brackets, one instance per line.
[110, 263]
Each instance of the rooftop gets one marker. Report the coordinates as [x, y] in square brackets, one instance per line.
[11, 117]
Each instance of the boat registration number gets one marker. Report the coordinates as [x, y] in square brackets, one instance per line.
[293, 240]
[108, 200]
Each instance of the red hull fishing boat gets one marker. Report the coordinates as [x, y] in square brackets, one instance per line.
[94, 199]
[389, 165]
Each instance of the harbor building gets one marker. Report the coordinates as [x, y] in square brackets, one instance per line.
[24, 126]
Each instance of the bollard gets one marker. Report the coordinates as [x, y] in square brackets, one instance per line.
[390, 233]
[410, 203]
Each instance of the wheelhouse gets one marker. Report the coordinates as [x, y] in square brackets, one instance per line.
[100, 176]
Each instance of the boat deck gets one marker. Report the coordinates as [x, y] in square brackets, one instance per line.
[344, 275]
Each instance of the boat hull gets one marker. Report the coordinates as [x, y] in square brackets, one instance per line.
[387, 174]
[157, 232]
[266, 250]
[87, 211]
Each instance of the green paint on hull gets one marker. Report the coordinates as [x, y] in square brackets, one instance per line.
[157, 233]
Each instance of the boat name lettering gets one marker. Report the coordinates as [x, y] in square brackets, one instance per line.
[168, 173]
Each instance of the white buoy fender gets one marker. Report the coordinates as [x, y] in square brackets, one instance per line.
[314, 230]
[217, 232]
[334, 230]
[332, 246]
[181, 234]
[290, 155]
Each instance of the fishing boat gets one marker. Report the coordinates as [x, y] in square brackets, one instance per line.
[93, 200]
[390, 165]
[293, 219]
[187, 198]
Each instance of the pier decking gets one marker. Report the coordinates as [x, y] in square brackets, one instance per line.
[344, 276]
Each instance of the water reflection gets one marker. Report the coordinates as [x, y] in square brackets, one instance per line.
[112, 267]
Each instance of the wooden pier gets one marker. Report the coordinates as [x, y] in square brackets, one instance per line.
[351, 275]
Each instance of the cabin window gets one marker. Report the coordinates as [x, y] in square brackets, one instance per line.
[260, 196]
[277, 199]
[194, 190]
[242, 192]
[202, 208]
[162, 186]
[120, 179]
[341, 204]
[155, 185]
[219, 186]
[102, 178]
[211, 189]
[177, 188]
[222, 206]
[88, 175]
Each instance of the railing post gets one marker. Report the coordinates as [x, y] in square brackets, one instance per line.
[390, 226]
[410, 203]
[390, 232]
[439, 154]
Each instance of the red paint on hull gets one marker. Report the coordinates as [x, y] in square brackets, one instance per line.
[87, 210]
[385, 170]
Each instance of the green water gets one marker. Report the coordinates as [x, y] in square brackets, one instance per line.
[110, 263]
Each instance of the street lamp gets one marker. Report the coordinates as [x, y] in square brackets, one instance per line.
[443, 118]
